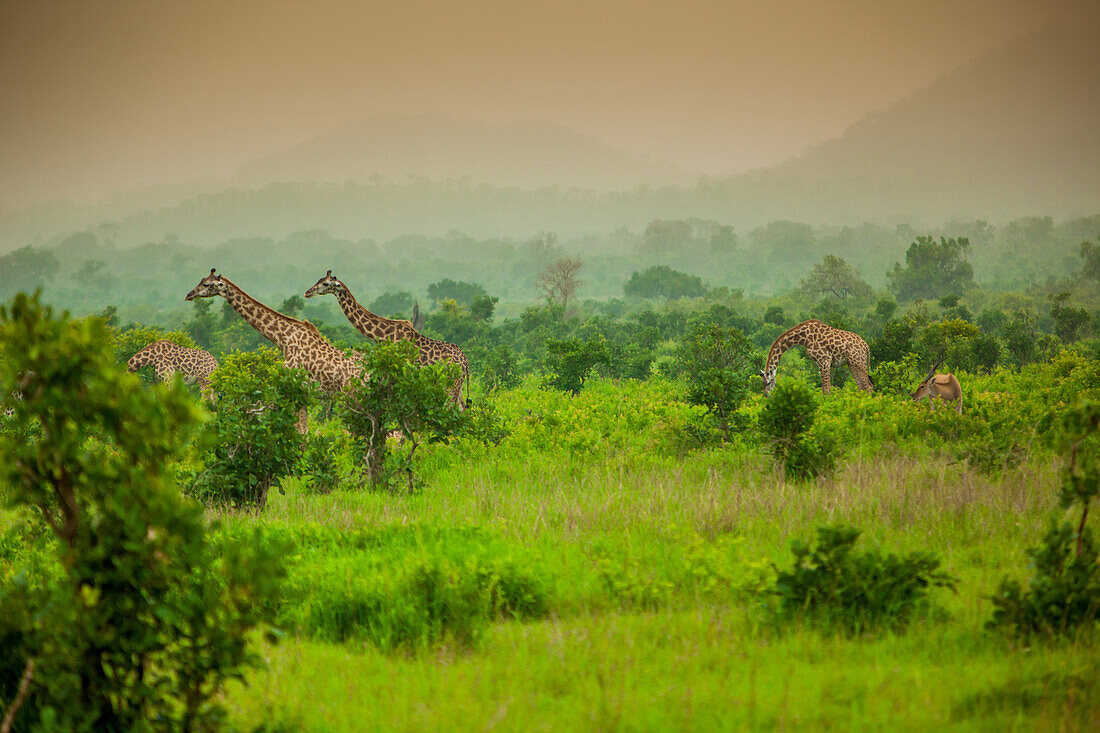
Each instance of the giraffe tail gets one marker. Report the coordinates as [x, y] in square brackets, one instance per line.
[468, 400]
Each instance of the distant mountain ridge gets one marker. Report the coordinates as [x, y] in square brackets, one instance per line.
[521, 154]
[1011, 134]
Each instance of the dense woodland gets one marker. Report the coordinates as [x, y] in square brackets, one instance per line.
[618, 490]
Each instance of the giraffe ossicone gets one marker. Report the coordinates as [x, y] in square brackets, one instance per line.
[378, 328]
[826, 346]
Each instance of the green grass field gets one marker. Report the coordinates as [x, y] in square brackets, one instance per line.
[641, 574]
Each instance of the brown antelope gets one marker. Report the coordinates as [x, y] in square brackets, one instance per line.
[942, 386]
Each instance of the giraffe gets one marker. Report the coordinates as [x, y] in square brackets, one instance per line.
[377, 328]
[168, 358]
[825, 345]
[302, 344]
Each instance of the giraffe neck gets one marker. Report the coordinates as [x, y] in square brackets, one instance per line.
[272, 325]
[771, 366]
[800, 335]
[369, 324]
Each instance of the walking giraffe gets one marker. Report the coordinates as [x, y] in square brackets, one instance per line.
[826, 346]
[169, 358]
[302, 345]
[377, 328]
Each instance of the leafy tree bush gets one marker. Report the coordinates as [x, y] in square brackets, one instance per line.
[253, 440]
[1021, 336]
[1069, 321]
[855, 592]
[1064, 593]
[570, 361]
[461, 292]
[149, 622]
[392, 394]
[499, 369]
[661, 281]
[835, 278]
[933, 269]
[392, 305]
[26, 269]
[718, 364]
[786, 424]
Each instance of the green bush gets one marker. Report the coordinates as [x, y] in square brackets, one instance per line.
[252, 441]
[408, 587]
[570, 361]
[786, 423]
[855, 592]
[145, 623]
[394, 393]
[1064, 592]
[717, 363]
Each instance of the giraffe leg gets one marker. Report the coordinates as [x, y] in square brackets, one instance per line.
[302, 426]
[859, 373]
[826, 367]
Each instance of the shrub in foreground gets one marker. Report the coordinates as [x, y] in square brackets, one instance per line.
[787, 422]
[144, 624]
[1064, 593]
[833, 585]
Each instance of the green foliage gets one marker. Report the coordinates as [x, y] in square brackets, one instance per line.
[148, 623]
[499, 369]
[570, 361]
[392, 305]
[318, 463]
[933, 270]
[835, 278]
[394, 393]
[718, 569]
[461, 292]
[854, 592]
[1021, 336]
[1090, 266]
[252, 441]
[786, 423]
[407, 587]
[661, 281]
[1064, 592]
[718, 363]
[27, 269]
[1070, 321]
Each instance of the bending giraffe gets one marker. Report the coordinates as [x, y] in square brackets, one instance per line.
[377, 328]
[168, 358]
[302, 345]
[826, 346]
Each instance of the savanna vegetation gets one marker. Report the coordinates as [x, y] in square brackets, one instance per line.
[621, 532]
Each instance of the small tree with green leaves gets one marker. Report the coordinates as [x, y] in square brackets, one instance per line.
[394, 394]
[570, 361]
[787, 422]
[835, 586]
[1064, 592]
[146, 622]
[253, 440]
[717, 364]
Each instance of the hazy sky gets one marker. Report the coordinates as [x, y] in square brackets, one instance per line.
[101, 94]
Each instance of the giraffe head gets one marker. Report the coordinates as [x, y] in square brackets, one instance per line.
[208, 287]
[328, 285]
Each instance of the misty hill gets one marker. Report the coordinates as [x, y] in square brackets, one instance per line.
[1011, 133]
[521, 154]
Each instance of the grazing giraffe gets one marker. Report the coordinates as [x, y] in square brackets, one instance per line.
[169, 358]
[826, 346]
[377, 328]
[302, 344]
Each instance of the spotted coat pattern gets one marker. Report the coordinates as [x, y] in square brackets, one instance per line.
[826, 346]
[377, 328]
[302, 345]
[167, 358]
